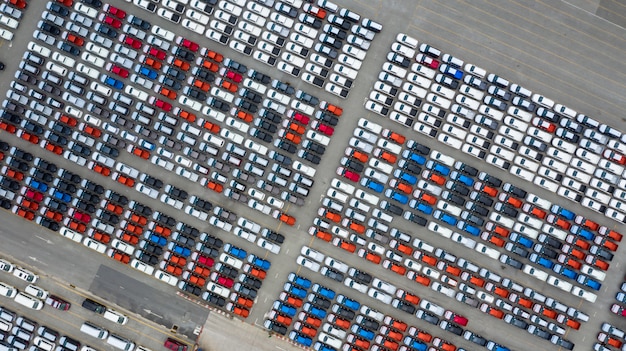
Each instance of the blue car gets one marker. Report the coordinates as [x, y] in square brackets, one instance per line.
[424, 208]
[439, 168]
[324, 291]
[545, 262]
[556, 209]
[377, 187]
[112, 82]
[351, 304]
[259, 262]
[38, 185]
[294, 290]
[468, 228]
[409, 178]
[300, 339]
[415, 344]
[462, 178]
[401, 198]
[569, 273]
[315, 311]
[298, 280]
[419, 159]
[578, 230]
[362, 332]
[235, 251]
[147, 72]
[180, 250]
[322, 347]
[452, 72]
[445, 217]
[589, 282]
[157, 239]
[284, 309]
[62, 196]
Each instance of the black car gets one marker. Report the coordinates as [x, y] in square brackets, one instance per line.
[275, 327]
[226, 270]
[455, 199]
[109, 217]
[47, 223]
[17, 164]
[516, 322]
[218, 104]
[33, 127]
[332, 274]
[311, 157]
[319, 301]
[410, 166]
[204, 74]
[362, 277]
[512, 189]
[262, 135]
[241, 68]
[49, 27]
[207, 251]
[265, 125]
[179, 194]
[203, 204]
[106, 30]
[93, 187]
[273, 236]
[245, 291]
[213, 241]
[119, 199]
[58, 9]
[287, 146]
[70, 49]
[507, 210]
[214, 299]
[189, 230]
[491, 180]
[354, 165]
[396, 210]
[184, 54]
[196, 94]
[172, 83]
[10, 184]
[185, 240]
[250, 107]
[141, 23]
[148, 258]
[142, 209]
[192, 289]
[69, 176]
[26, 156]
[252, 96]
[283, 87]
[86, 207]
[481, 198]
[314, 146]
[542, 249]
[270, 116]
[419, 220]
[5, 203]
[343, 312]
[175, 73]
[406, 307]
[57, 206]
[94, 306]
[80, 149]
[327, 118]
[458, 188]
[93, 3]
[11, 118]
[90, 197]
[427, 317]
[367, 323]
[259, 77]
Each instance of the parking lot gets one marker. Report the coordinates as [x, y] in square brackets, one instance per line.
[143, 96]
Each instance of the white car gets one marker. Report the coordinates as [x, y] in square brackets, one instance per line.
[313, 254]
[271, 247]
[337, 265]
[305, 262]
[193, 26]
[169, 279]
[561, 284]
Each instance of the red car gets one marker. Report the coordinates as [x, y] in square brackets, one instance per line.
[543, 124]
[235, 77]
[83, 217]
[119, 71]
[189, 45]
[205, 261]
[156, 53]
[221, 280]
[132, 42]
[113, 22]
[348, 174]
[301, 118]
[175, 345]
[614, 156]
[458, 319]
[114, 11]
[428, 61]
[35, 195]
[326, 129]
[167, 107]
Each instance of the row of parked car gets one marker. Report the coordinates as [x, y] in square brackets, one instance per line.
[473, 114]
[610, 338]
[10, 18]
[349, 325]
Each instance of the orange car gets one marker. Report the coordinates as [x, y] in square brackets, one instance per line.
[77, 226]
[304, 329]
[17, 175]
[242, 301]
[396, 324]
[323, 235]
[170, 94]
[101, 237]
[201, 271]
[129, 182]
[287, 219]
[335, 217]
[181, 64]
[294, 138]
[370, 256]
[29, 205]
[215, 56]
[587, 223]
[31, 138]
[348, 246]
[340, 322]
[98, 168]
[405, 249]
[293, 301]
[429, 260]
[434, 177]
[196, 280]
[139, 152]
[404, 187]
[228, 85]
[391, 334]
[211, 127]
[120, 256]
[511, 200]
[539, 213]
[178, 260]
[259, 273]
[310, 320]
[132, 228]
[489, 190]
[422, 279]
[336, 110]
[476, 281]
[240, 311]
[211, 66]
[141, 220]
[296, 128]
[72, 38]
[492, 238]
[394, 267]
[388, 343]
[606, 242]
[54, 216]
[362, 343]
[156, 64]
[501, 292]
[187, 115]
[420, 334]
[70, 121]
[503, 232]
[244, 116]
[174, 270]
[456, 271]
[130, 238]
[162, 231]
[430, 199]
[217, 187]
[95, 132]
[204, 86]
[281, 319]
[25, 214]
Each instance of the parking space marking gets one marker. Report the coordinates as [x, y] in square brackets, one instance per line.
[520, 63]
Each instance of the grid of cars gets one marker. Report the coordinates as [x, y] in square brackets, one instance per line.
[283, 34]
[503, 124]
[385, 176]
[150, 131]
[10, 16]
[132, 233]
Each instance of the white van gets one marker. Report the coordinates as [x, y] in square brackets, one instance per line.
[60, 70]
[120, 343]
[115, 316]
[94, 330]
[36, 291]
[102, 89]
[28, 301]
